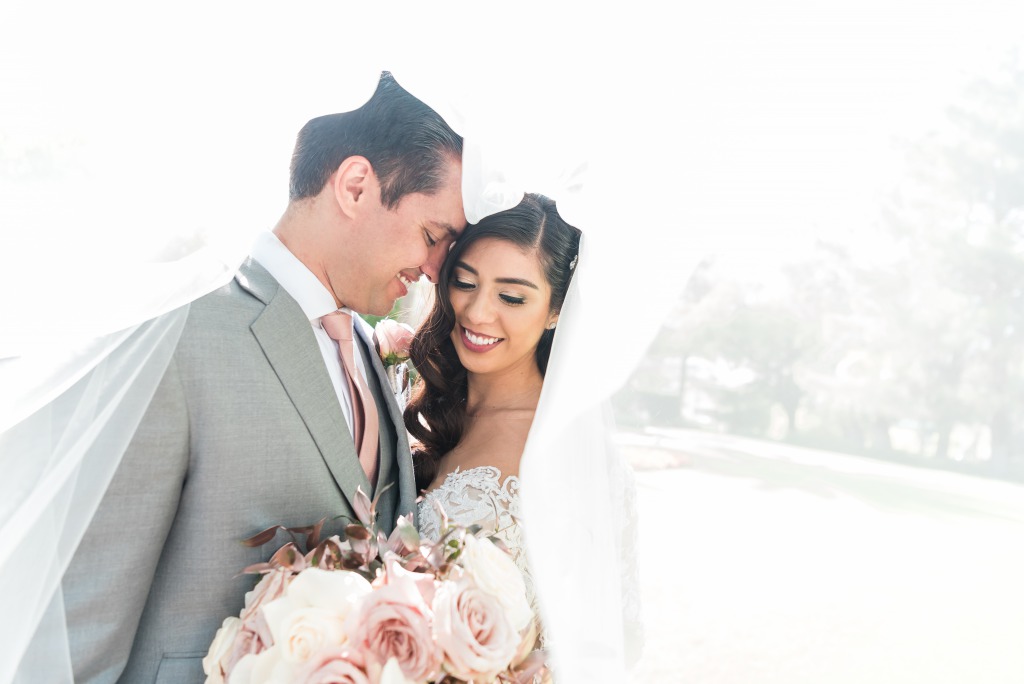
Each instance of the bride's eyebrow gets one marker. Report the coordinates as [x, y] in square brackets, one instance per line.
[503, 281]
[516, 281]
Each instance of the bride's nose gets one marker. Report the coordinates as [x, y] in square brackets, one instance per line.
[479, 309]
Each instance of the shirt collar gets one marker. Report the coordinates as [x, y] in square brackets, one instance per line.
[312, 296]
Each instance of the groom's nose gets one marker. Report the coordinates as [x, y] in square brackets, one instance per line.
[432, 266]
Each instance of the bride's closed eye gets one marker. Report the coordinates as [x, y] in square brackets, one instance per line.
[462, 284]
[512, 300]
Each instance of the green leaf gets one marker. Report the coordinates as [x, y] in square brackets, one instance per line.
[408, 533]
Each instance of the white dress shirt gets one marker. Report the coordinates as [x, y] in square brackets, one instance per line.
[316, 301]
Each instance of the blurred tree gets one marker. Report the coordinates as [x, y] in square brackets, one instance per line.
[958, 220]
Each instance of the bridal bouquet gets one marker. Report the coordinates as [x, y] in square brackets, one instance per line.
[375, 609]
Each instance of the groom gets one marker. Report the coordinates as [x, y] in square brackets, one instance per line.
[260, 418]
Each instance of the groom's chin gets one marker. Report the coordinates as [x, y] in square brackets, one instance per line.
[380, 308]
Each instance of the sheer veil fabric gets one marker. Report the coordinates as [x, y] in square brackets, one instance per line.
[135, 174]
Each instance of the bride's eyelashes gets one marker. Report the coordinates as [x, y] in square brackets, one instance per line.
[466, 286]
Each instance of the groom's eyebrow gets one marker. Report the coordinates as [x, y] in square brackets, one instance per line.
[447, 227]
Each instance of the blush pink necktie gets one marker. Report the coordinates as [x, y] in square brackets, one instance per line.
[364, 410]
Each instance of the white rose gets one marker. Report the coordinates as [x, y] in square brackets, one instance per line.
[267, 667]
[496, 573]
[242, 674]
[311, 615]
[220, 647]
[334, 590]
[307, 630]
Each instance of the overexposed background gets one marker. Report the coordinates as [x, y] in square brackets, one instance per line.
[825, 418]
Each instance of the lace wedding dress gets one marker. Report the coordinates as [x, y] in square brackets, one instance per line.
[478, 496]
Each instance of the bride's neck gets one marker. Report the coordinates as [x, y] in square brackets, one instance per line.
[516, 389]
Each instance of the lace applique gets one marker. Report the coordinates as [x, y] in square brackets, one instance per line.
[477, 496]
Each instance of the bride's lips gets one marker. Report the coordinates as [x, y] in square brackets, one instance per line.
[483, 343]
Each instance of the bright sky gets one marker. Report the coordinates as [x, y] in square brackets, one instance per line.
[762, 120]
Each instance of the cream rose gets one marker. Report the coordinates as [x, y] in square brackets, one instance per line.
[219, 649]
[304, 631]
[311, 615]
[473, 628]
[496, 573]
[267, 667]
[335, 590]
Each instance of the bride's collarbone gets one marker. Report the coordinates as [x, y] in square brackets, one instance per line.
[502, 452]
[508, 423]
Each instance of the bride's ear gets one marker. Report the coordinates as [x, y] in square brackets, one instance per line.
[552, 321]
[353, 184]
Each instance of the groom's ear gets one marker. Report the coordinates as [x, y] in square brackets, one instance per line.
[353, 184]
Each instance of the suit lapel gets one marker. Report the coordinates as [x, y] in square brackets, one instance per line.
[287, 340]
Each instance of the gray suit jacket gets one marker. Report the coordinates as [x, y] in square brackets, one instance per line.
[244, 432]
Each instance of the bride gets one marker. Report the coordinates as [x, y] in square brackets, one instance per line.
[482, 353]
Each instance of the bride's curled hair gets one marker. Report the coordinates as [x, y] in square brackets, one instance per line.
[436, 413]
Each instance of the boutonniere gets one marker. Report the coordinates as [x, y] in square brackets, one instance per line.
[393, 340]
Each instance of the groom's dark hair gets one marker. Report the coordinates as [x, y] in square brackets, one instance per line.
[407, 142]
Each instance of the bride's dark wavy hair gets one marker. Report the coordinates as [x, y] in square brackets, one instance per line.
[436, 413]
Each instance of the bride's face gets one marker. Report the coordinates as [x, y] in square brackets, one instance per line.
[501, 301]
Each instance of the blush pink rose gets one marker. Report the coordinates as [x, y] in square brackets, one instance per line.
[471, 625]
[271, 587]
[254, 635]
[393, 340]
[247, 642]
[333, 666]
[394, 621]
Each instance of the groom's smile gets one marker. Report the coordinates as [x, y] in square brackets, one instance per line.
[406, 282]
[386, 249]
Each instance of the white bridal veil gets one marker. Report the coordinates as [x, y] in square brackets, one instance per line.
[142, 147]
[141, 151]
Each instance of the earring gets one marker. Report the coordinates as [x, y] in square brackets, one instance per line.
[551, 326]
